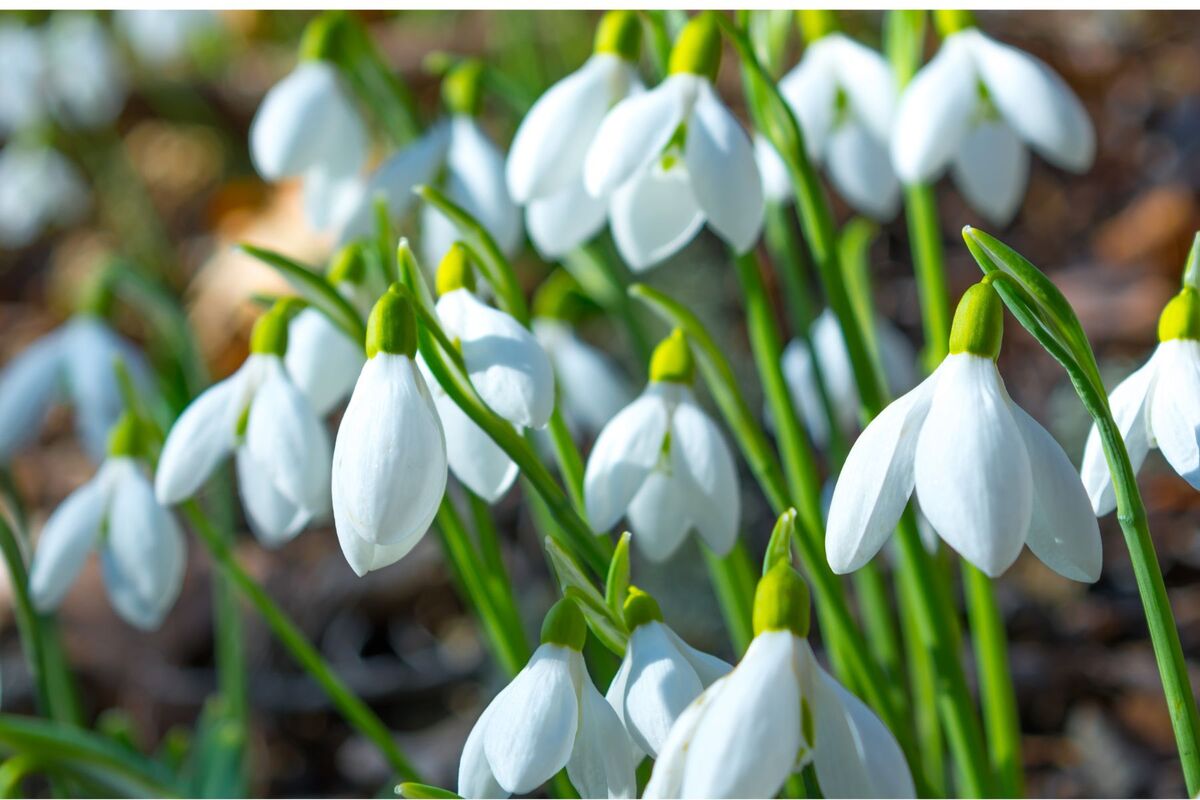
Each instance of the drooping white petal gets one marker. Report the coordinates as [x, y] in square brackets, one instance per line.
[973, 476]
[667, 778]
[477, 461]
[1063, 531]
[635, 131]
[601, 763]
[560, 222]
[654, 214]
[506, 364]
[475, 779]
[709, 669]
[624, 454]
[748, 739]
[1175, 406]
[661, 683]
[201, 437]
[331, 196]
[393, 182]
[65, 542]
[322, 361]
[934, 113]
[776, 183]
[274, 518]
[532, 730]
[1036, 102]
[1130, 409]
[703, 464]
[861, 169]
[660, 515]
[876, 480]
[28, 384]
[991, 169]
[89, 355]
[724, 174]
[867, 80]
[592, 390]
[810, 88]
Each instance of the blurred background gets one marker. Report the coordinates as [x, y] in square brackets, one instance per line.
[124, 141]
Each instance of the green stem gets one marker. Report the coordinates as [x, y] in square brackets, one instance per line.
[925, 240]
[923, 687]
[228, 634]
[495, 571]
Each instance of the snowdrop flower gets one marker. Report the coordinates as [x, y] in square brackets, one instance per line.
[76, 363]
[663, 463]
[22, 69]
[86, 83]
[591, 388]
[977, 107]
[551, 716]
[141, 546]
[457, 156]
[895, 354]
[389, 460]
[162, 37]
[322, 360]
[259, 416]
[545, 163]
[775, 713]
[507, 367]
[988, 477]
[844, 96]
[674, 157]
[39, 188]
[659, 677]
[1159, 405]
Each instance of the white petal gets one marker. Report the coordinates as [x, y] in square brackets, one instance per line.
[615, 697]
[991, 169]
[776, 183]
[934, 113]
[322, 361]
[725, 180]
[394, 180]
[532, 731]
[28, 384]
[560, 222]
[475, 779]
[973, 476]
[660, 685]
[1063, 531]
[274, 517]
[66, 541]
[1130, 410]
[331, 197]
[667, 778]
[592, 390]
[810, 88]
[869, 84]
[1175, 406]
[200, 439]
[703, 464]
[876, 481]
[362, 555]
[659, 515]
[1037, 103]
[861, 170]
[90, 352]
[749, 737]
[506, 364]
[601, 763]
[654, 215]
[709, 669]
[477, 461]
[624, 454]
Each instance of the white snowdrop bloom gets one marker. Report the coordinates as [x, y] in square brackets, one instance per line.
[775, 713]
[86, 83]
[545, 162]
[591, 389]
[895, 354]
[549, 717]
[1157, 406]
[22, 74]
[987, 476]
[141, 546]
[673, 158]
[844, 96]
[977, 107]
[39, 188]
[389, 460]
[162, 37]
[259, 416]
[664, 464]
[75, 363]
[659, 677]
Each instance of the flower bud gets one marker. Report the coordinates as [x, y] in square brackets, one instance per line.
[564, 625]
[128, 437]
[952, 20]
[619, 33]
[781, 601]
[697, 51]
[270, 334]
[640, 608]
[461, 88]
[319, 40]
[815, 23]
[978, 326]
[348, 266]
[672, 360]
[1181, 317]
[455, 271]
[392, 325]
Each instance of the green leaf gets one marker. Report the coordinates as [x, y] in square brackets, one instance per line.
[616, 587]
[779, 547]
[216, 766]
[423, 791]
[314, 288]
[607, 625]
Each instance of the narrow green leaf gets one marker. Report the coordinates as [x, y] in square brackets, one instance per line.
[616, 588]
[423, 791]
[779, 548]
[608, 626]
[315, 289]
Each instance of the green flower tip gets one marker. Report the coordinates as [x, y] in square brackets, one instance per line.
[128, 437]
[392, 326]
[672, 360]
[619, 33]
[462, 88]
[781, 601]
[455, 271]
[564, 625]
[815, 23]
[952, 20]
[1181, 318]
[349, 265]
[320, 38]
[640, 608]
[978, 326]
[270, 334]
[560, 297]
[96, 295]
[697, 51]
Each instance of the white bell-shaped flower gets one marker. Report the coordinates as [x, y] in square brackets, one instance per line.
[977, 107]
[673, 158]
[659, 676]
[39, 189]
[591, 388]
[141, 546]
[259, 416]
[74, 363]
[545, 162]
[1157, 406]
[161, 37]
[896, 356]
[86, 83]
[663, 463]
[549, 717]
[987, 476]
[22, 72]
[389, 460]
[844, 96]
[776, 712]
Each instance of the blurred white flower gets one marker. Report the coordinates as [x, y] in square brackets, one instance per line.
[844, 96]
[675, 157]
[22, 72]
[977, 106]
[163, 37]
[663, 463]
[591, 389]
[39, 188]
[86, 84]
